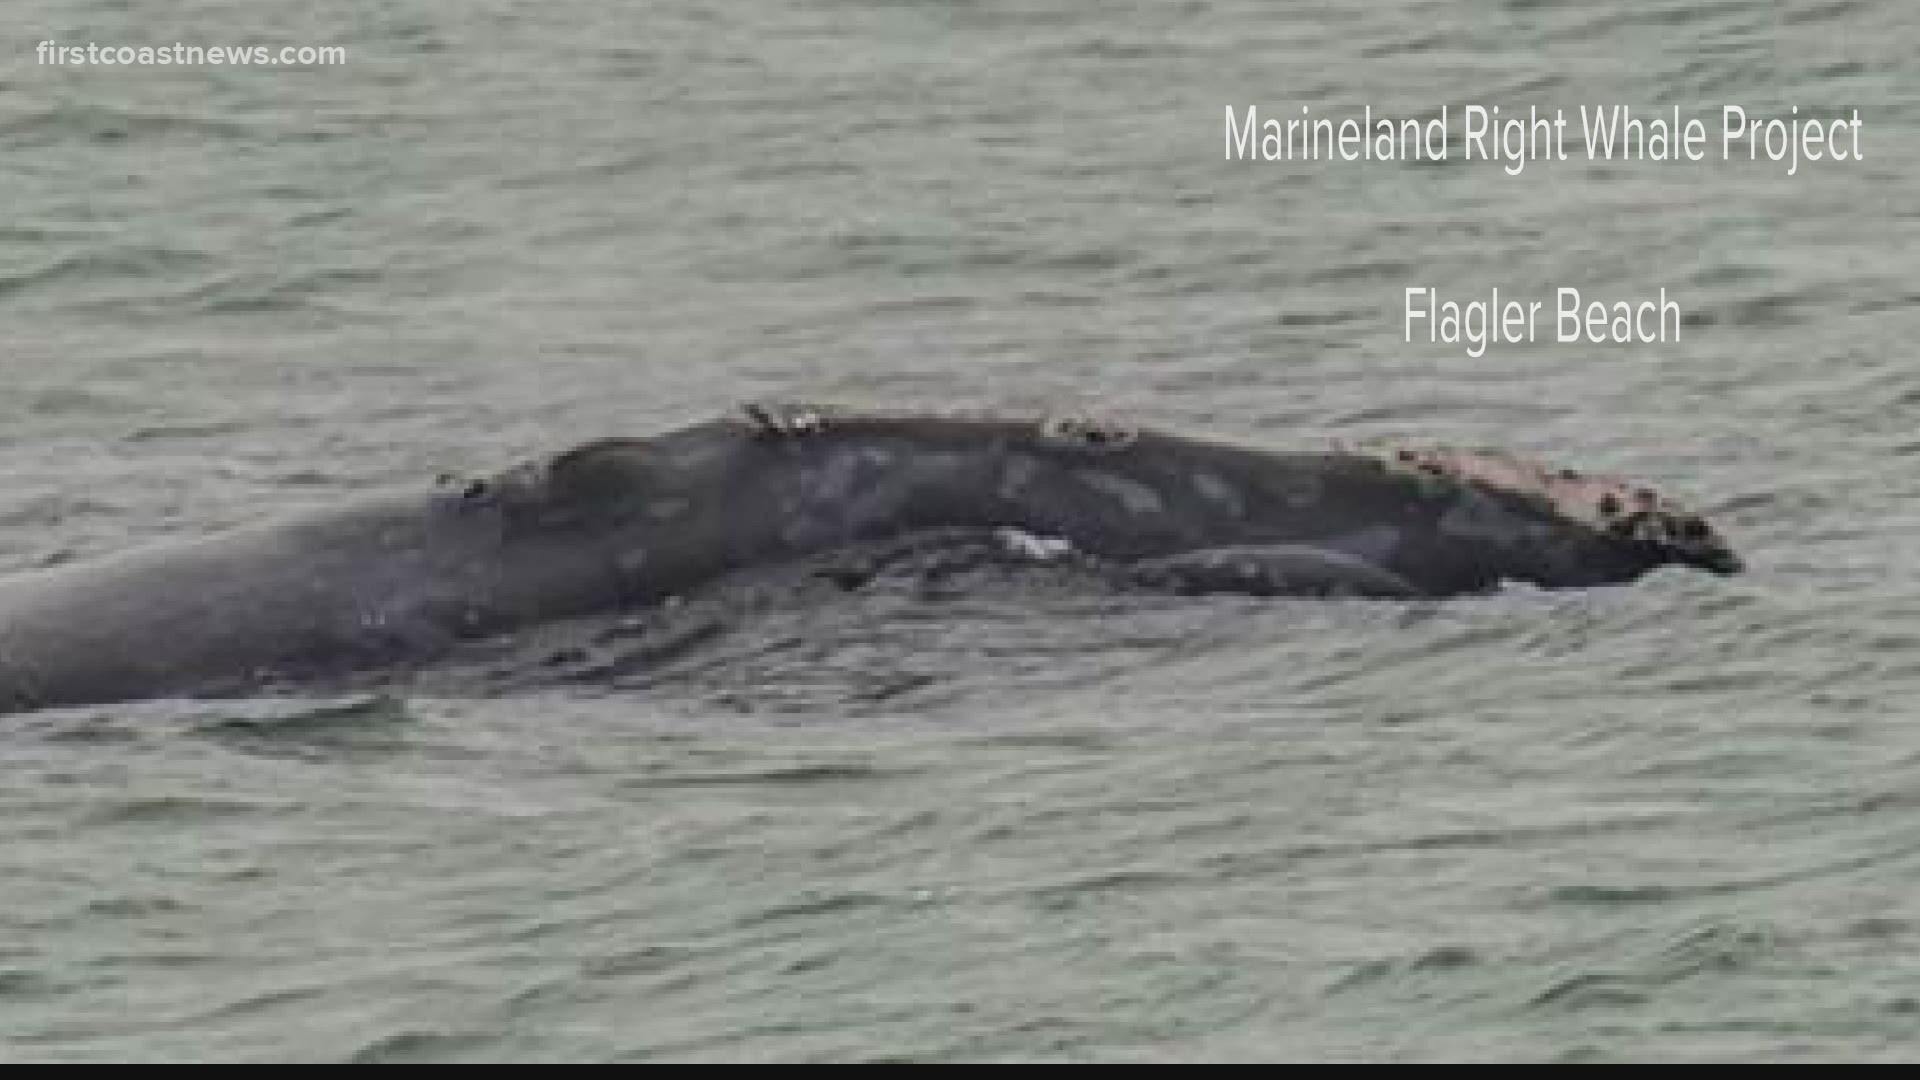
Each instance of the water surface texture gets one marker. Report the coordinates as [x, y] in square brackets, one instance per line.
[1015, 819]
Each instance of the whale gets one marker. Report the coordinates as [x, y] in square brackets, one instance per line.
[405, 573]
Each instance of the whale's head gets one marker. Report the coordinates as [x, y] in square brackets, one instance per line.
[1620, 509]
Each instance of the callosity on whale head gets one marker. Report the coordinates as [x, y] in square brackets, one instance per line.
[1614, 506]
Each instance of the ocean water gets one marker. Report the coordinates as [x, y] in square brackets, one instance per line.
[1018, 820]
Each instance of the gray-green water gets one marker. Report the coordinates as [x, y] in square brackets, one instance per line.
[1680, 820]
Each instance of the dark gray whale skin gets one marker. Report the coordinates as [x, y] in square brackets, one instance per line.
[402, 575]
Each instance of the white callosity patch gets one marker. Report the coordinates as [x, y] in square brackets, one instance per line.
[1087, 432]
[784, 420]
